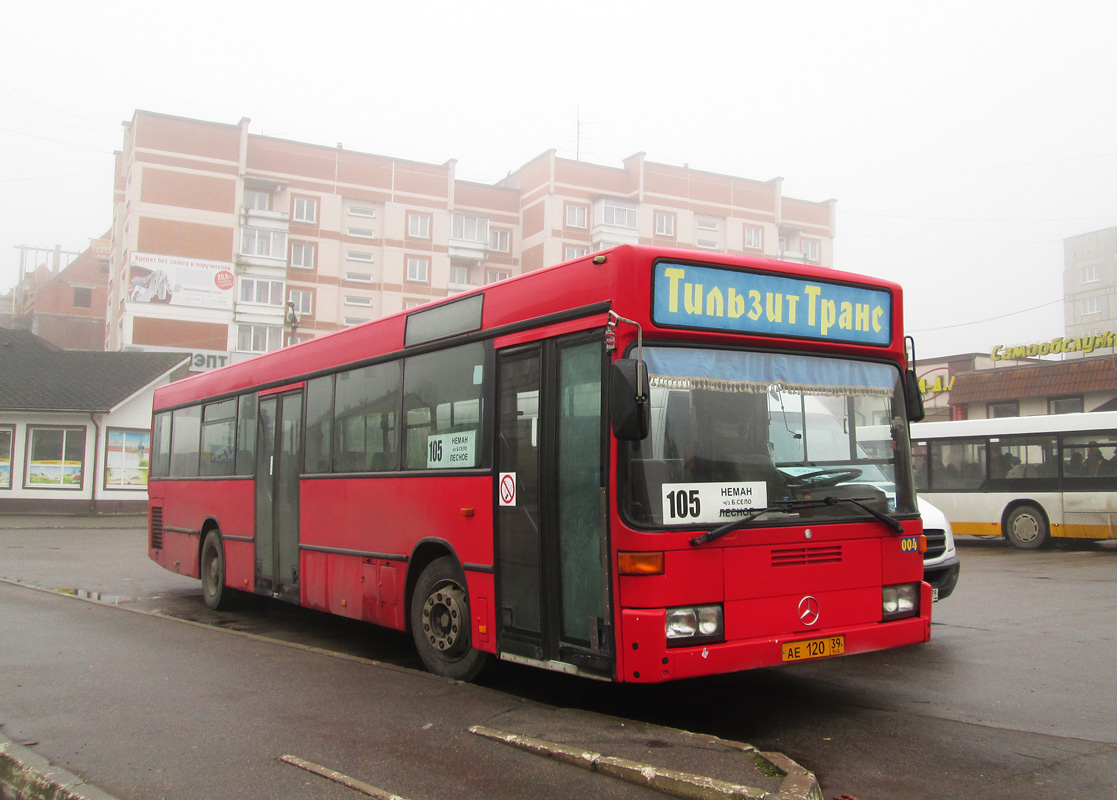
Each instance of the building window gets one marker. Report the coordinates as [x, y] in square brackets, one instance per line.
[7, 434]
[572, 252]
[418, 269]
[256, 201]
[358, 300]
[362, 211]
[262, 292]
[56, 458]
[419, 226]
[459, 276]
[359, 255]
[302, 255]
[500, 241]
[1090, 273]
[664, 224]
[1007, 409]
[302, 300]
[362, 233]
[127, 457]
[1065, 405]
[754, 238]
[412, 304]
[1089, 305]
[810, 249]
[576, 216]
[255, 242]
[348, 321]
[305, 209]
[495, 275]
[622, 216]
[259, 338]
[469, 228]
[707, 224]
[707, 244]
[83, 297]
[358, 277]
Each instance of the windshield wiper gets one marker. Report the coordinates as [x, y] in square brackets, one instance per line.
[791, 505]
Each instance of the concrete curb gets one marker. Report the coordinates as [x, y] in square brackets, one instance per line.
[27, 776]
[798, 784]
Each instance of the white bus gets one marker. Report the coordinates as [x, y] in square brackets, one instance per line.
[1029, 479]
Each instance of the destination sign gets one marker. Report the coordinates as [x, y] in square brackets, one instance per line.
[711, 298]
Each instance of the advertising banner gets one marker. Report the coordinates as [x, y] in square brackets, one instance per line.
[175, 281]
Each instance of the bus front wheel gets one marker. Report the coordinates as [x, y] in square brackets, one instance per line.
[217, 595]
[1026, 527]
[441, 624]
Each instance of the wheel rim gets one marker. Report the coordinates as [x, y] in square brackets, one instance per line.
[443, 619]
[1025, 528]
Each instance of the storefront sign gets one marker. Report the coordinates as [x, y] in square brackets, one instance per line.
[731, 300]
[1081, 344]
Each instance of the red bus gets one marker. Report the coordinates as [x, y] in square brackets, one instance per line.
[640, 465]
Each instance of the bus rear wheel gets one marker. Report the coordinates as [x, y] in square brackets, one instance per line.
[441, 623]
[217, 595]
[1026, 527]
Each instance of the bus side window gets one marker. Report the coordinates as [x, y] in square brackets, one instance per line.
[444, 408]
[161, 445]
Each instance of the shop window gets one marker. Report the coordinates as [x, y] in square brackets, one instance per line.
[127, 458]
[56, 458]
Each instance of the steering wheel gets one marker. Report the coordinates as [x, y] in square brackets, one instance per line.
[836, 475]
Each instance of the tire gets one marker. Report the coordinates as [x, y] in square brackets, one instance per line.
[441, 625]
[1026, 528]
[216, 594]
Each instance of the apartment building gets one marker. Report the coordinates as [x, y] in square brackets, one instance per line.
[1090, 285]
[227, 244]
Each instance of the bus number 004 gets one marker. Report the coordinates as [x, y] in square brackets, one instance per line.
[684, 504]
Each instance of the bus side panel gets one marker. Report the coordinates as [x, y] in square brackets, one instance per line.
[381, 521]
[186, 506]
[980, 513]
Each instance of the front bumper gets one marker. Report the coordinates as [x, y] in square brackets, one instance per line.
[943, 576]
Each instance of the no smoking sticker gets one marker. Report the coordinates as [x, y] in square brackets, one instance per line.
[507, 488]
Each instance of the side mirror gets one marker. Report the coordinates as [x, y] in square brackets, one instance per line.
[629, 406]
[913, 398]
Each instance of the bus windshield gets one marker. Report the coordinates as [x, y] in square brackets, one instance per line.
[737, 431]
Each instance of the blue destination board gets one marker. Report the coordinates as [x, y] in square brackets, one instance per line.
[690, 296]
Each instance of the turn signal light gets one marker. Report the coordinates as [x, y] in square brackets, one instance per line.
[640, 563]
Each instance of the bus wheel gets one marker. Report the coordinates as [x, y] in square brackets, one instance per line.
[440, 622]
[217, 595]
[1026, 528]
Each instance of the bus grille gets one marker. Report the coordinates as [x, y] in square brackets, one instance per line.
[936, 543]
[156, 528]
[802, 556]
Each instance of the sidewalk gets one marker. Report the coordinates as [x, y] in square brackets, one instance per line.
[142, 706]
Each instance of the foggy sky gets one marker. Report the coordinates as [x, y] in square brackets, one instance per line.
[963, 141]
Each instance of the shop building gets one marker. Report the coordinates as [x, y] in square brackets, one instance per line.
[227, 244]
[75, 426]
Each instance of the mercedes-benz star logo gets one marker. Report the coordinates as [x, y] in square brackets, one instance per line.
[808, 610]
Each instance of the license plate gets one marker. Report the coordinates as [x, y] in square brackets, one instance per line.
[814, 648]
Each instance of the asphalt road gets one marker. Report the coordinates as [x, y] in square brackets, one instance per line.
[1012, 698]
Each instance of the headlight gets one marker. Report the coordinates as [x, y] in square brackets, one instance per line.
[898, 602]
[694, 624]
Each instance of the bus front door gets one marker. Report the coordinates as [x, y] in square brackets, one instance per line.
[550, 535]
[278, 464]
